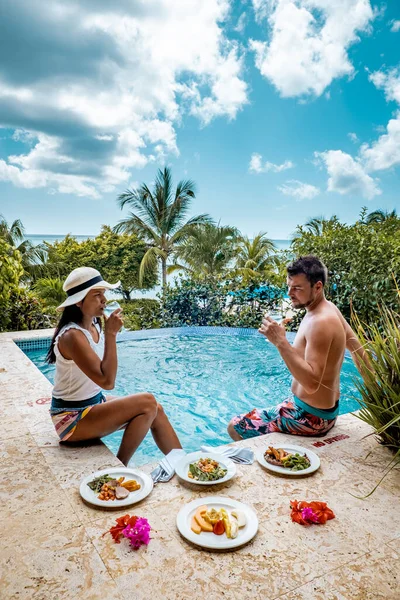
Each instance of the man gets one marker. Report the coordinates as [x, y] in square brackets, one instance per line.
[314, 360]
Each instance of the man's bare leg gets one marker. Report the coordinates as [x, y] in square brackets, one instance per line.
[233, 433]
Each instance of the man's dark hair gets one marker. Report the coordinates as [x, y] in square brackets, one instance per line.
[313, 268]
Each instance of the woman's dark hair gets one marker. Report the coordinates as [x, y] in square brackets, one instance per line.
[70, 314]
[313, 268]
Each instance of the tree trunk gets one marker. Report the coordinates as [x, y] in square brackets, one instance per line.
[164, 273]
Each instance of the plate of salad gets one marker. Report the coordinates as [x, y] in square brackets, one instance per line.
[288, 460]
[115, 487]
[205, 468]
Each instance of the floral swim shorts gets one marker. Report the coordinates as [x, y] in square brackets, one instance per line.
[292, 416]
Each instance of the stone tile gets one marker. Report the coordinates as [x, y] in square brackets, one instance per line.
[121, 559]
[373, 576]
[12, 426]
[56, 566]
[29, 496]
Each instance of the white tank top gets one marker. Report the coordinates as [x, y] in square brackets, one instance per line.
[70, 383]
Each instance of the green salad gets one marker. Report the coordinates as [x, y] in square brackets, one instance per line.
[296, 462]
[206, 469]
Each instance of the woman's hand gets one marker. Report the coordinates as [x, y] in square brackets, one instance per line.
[114, 322]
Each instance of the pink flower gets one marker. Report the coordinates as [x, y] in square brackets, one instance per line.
[309, 515]
[138, 534]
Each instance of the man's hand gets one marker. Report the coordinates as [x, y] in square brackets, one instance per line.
[274, 332]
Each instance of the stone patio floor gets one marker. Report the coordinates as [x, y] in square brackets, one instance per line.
[51, 544]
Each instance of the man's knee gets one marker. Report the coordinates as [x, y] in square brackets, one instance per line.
[232, 432]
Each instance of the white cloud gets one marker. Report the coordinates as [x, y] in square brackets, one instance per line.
[395, 26]
[353, 137]
[308, 42]
[298, 189]
[118, 79]
[384, 153]
[257, 166]
[347, 175]
[241, 24]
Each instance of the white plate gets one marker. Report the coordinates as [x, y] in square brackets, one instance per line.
[182, 468]
[145, 481]
[208, 539]
[314, 460]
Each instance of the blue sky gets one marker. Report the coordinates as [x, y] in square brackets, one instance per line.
[279, 110]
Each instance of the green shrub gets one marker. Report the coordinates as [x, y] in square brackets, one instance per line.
[360, 258]
[141, 313]
[380, 387]
[214, 302]
[24, 311]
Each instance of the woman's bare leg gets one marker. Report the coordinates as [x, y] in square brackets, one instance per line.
[138, 413]
[163, 433]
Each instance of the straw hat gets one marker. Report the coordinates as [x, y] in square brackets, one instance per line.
[80, 281]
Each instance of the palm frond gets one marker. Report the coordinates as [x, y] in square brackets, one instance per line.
[149, 261]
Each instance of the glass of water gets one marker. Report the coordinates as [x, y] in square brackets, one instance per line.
[110, 307]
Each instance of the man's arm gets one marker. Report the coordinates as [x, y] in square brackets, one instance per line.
[354, 346]
[308, 372]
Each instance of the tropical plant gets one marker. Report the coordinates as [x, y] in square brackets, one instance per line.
[14, 235]
[359, 258]
[159, 217]
[379, 216]
[117, 257]
[11, 272]
[25, 311]
[215, 302]
[254, 257]
[141, 313]
[317, 225]
[207, 250]
[380, 387]
[50, 290]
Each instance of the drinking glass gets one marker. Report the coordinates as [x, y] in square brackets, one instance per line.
[110, 307]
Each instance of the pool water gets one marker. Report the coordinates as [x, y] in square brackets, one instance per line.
[202, 381]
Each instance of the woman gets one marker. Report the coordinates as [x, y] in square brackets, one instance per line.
[86, 363]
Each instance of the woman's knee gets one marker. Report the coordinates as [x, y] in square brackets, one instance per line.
[145, 403]
[160, 410]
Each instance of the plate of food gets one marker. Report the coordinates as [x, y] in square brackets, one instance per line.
[217, 523]
[288, 460]
[115, 487]
[204, 468]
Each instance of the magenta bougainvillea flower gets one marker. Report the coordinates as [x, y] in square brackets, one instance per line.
[309, 515]
[135, 529]
[138, 534]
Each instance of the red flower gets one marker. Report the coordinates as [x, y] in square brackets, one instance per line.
[320, 511]
[122, 522]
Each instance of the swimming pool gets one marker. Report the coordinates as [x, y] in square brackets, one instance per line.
[202, 380]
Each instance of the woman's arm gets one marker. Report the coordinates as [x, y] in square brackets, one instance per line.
[74, 345]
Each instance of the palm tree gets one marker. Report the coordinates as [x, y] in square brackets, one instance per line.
[14, 235]
[159, 217]
[254, 256]
[207, 250]
[380, 216]
[51, 290]
[317, 226]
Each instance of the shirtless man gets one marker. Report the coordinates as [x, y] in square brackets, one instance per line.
[314, 360]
